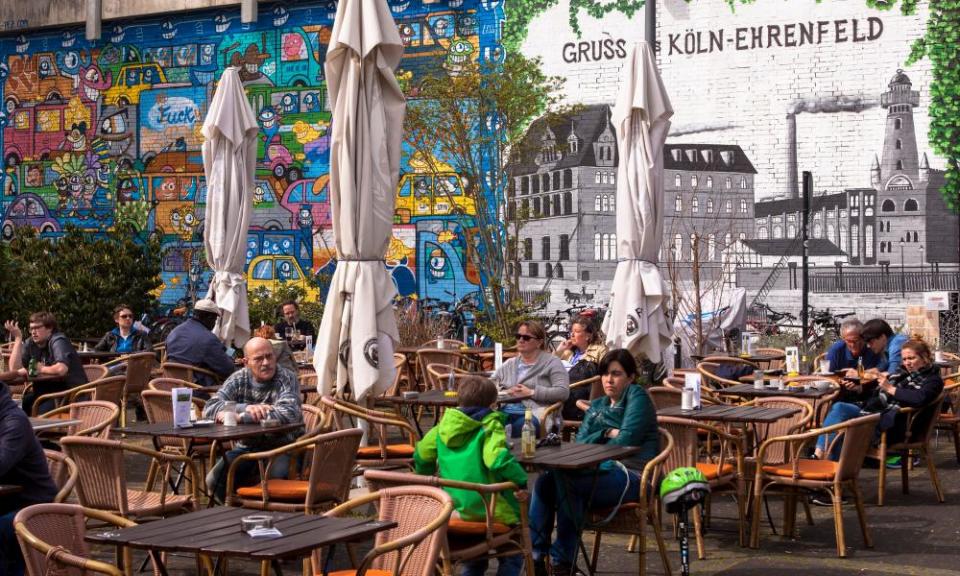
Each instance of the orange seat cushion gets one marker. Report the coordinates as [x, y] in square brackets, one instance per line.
[286, 490]
[713, 471]
[393, 451]
[807, 469]
[464, 527]
[370, 572]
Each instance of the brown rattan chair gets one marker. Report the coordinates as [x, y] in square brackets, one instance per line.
[168, 384]
[717, 454]
[949, 419]
[820, 405]
[138, 369]
[438, 374]
[187, 372]
[819, 475]
[707, 369]
[772, 364]
[308, 379]
[63, 470]
[470, 540]
[158, 404]
[414, 547]
[95, 371]
[51, 537]
[632, 517]
[664, 396]
[96, 417]
[108, 389]
[103, 478]
[321, 470]
[921, 423]
[447, 358]
[448, 344]
[315, 420]
[387, 452]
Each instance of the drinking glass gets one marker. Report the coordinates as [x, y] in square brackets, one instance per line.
[289, 333]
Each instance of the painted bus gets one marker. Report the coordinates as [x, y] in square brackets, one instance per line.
[175, 184]
[36, 130]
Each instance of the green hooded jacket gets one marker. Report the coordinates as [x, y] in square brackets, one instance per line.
[468, 450]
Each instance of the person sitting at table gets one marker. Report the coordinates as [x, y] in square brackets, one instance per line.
[56, 359]
[23, 464]
[124, 339]
[534, 374]
[262, 391]
[846, 353]
[280, 348]
[624, 416]
[193, 343]
[469, 445]
[291, 320]
[580, 354]
[880, 338]
[916, 384]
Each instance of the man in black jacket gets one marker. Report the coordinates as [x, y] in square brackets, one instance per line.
[291, 319]
[23, 464]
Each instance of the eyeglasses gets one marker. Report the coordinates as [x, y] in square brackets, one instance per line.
[525, 337]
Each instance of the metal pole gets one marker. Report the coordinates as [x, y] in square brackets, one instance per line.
[805, 277]
[650, 24]
[903, 280]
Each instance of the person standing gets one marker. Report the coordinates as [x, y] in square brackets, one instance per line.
[292, 321]
[193, 343]
[51, 352]
[124, 339]
[23, 464]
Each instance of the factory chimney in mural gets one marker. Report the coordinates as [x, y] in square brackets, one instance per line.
[793, 188]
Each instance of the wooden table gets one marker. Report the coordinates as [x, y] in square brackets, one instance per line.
[748, 391]
[9, 489]
[14, 377]
[216, 532]
[947, 364]
[96, 357]
[438, 399]
[755, 358]
[40, 424]
[723, 413]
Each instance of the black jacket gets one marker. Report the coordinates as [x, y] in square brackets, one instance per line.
[108, 343]
[913, 390]
[22, 462]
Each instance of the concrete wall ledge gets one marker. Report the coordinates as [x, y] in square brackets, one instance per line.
[21, 15]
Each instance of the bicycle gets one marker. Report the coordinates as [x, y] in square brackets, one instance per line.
[769, 322]
[824, 328]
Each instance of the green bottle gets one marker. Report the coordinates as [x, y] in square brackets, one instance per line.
[32, 367]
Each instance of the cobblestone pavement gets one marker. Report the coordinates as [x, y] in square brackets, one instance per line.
[913, 534]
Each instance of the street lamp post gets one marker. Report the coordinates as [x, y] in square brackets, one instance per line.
[903, 280]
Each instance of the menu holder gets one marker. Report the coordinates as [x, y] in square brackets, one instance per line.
[182, 407]
[497, 355]
[691, 381]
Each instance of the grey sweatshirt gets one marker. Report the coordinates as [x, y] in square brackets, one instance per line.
[547, 377]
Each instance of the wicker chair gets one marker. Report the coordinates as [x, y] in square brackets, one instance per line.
[52, 539]
[717, 454]
[63, 470]
[632, 517]
[707, 370]
[921, 423]
[103, 478]
[820, 475]
[437, 375]
[138, 368]
[772, 364]
[108, 389]
[321, 470]
[414, 547]
[95, 371]
[187, 372]
[447, 358]
[308, 379]
[158, 404]
[383, 454]
[467, 540]
[96, 417]
[950, 419]
[168, 384]
[61, 398]
[448, 344]
[820, 405]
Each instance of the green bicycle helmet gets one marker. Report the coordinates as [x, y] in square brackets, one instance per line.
[682, 488]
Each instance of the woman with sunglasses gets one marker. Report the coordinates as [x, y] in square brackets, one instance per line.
[534, 375]
[124, 339]
[623, 416]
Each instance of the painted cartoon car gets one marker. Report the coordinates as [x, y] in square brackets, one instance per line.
[28, 210]
[271, 271]
[134, 79]
[309, 203]
[268, 214]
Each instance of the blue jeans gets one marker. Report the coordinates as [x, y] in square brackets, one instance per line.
[247, 473]
[515, 421]
[564, 496]
[11, 559]
[839, 412]
[507, 566]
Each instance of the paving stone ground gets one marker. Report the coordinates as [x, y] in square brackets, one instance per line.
[913, 534]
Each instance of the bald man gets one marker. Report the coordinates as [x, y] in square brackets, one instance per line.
[262, 390]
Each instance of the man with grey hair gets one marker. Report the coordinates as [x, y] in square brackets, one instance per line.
[846, 353]
[262, 391]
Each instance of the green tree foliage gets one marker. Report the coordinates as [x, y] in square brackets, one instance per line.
[79, 277]
[473, 121]
[265, 305]
[941, 44]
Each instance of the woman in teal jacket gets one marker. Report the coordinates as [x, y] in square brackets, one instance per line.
[624, 416]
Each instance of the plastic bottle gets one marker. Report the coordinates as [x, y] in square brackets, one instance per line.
[528, 436]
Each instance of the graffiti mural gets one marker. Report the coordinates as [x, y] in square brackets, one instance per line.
[107, 133]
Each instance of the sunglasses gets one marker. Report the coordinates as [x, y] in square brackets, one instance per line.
[126, 315]
[525, 337]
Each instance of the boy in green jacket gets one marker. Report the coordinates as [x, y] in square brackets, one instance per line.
[469, 445]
